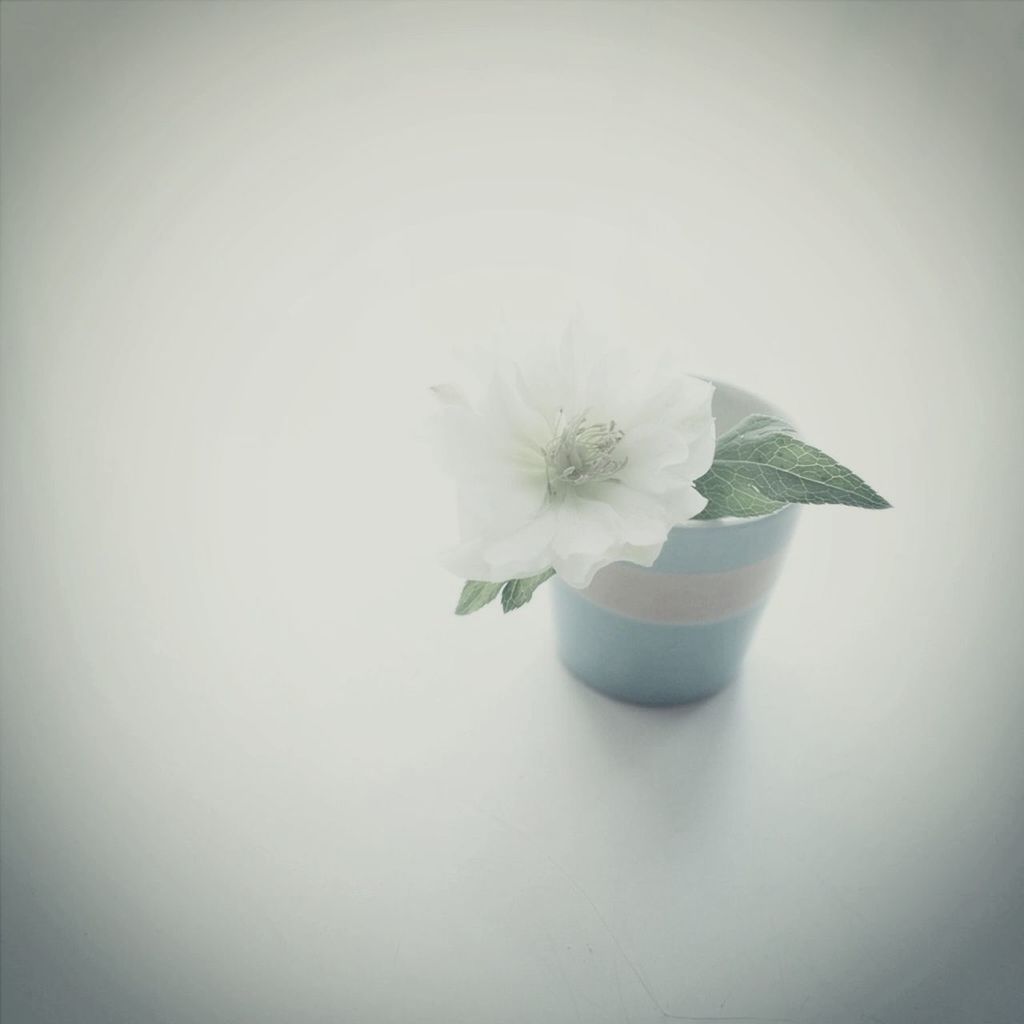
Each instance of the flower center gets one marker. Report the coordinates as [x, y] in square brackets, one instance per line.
[582, 452]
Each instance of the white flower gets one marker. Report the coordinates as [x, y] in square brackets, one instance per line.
[583, 457]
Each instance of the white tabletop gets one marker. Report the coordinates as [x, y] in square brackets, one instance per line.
[254, 769]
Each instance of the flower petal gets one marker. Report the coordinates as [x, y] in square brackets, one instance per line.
[515, 521]
[523, 552]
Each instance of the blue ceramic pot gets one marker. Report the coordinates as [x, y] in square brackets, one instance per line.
[678, 631]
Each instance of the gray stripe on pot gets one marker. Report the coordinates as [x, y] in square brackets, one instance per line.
[681, 598]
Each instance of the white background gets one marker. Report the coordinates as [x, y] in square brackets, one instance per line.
[254, 770]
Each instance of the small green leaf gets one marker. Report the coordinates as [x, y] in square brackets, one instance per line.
[518, 592]
[760, 465]
[475, 594]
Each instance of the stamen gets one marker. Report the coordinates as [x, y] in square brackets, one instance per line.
[582, 452]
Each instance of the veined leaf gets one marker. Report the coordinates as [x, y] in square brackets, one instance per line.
[475, 594]
[518, 592]
[760, 465]
[514, 593]
[729, 494]
[752, 427]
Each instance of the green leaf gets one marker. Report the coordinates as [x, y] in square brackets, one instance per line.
[751, 427]
[760, 466]
[514, 593]
[729, 494]
[475, 594]
[518, 592]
